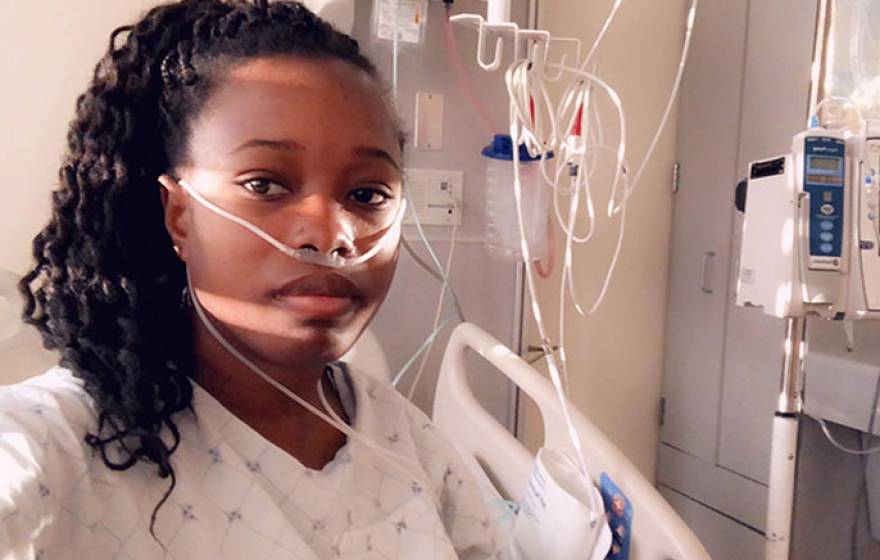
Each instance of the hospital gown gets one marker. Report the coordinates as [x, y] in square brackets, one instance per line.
[238, 496]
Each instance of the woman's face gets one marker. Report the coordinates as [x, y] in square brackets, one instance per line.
[307, 150]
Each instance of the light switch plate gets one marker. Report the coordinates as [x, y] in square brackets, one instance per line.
[436, 195]
[429, 121]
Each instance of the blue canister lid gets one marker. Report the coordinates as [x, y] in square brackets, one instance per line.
[502, 148]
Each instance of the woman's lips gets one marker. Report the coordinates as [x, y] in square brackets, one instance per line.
[316, 306]
[318, 296]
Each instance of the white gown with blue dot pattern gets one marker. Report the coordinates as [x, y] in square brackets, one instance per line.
[238, 496]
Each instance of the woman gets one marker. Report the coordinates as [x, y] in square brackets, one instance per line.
[248, 150]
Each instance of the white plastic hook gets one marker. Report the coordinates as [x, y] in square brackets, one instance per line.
[500, 29]
[537, 53]
[536, 41]
[481, 47]
[564, 59]
[483, 28]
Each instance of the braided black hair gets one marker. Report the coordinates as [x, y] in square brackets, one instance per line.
[106, 285]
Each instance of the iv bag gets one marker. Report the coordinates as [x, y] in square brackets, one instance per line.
[411, 18]
[865, 56]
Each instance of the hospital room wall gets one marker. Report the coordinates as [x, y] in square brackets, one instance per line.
[50, 49]
[616, 355]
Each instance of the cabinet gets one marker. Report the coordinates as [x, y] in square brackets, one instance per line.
[745, 94]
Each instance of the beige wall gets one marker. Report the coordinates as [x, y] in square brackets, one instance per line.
[615, 356]
[49, 50]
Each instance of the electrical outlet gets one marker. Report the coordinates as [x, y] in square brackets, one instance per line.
[436, 195]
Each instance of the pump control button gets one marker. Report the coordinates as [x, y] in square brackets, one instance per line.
[826, 247]
[827, 209]
[826, 236]
[826, 225]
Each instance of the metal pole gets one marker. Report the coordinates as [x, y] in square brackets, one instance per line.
[498, 11]
[783, 451]
[784, 445]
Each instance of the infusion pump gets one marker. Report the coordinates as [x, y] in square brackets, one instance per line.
[811, 235]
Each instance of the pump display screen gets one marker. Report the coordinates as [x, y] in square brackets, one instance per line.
[832, 180]
[823, 181]
[819, 163]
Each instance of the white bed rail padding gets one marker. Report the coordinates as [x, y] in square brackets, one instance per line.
[658, 532]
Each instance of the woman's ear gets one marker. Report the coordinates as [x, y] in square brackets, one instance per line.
[175, 200]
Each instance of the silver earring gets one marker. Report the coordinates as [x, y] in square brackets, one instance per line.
[185, 299]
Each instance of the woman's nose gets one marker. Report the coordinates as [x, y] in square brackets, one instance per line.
[319, 224]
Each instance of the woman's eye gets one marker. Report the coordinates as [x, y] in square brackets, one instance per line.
[263, 187]
[369, 196]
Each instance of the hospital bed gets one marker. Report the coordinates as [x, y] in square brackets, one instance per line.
[658, 533]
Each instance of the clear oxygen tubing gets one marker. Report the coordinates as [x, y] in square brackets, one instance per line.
[516, 75]
[575, 154]
[521, 81]
[517, 80]
[443, 274]
[586, 81]
[438, 326]
[437, 276]
[568, 263]
[437, 266]
[629, 188]
[673, 95]
[412, 359]
[406, 465]
[307, 256]
[464, 82]
[524, 87]
[437, 316]
[572, 101]
[439, 272]
[576, 99]
[574, 160]
[545, 270]
[605, 26]
[536, 311]
[831, 439]
[567, 282]
[310, 256]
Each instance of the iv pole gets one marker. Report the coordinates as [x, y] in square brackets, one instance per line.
[784, 445]
[786, 419]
